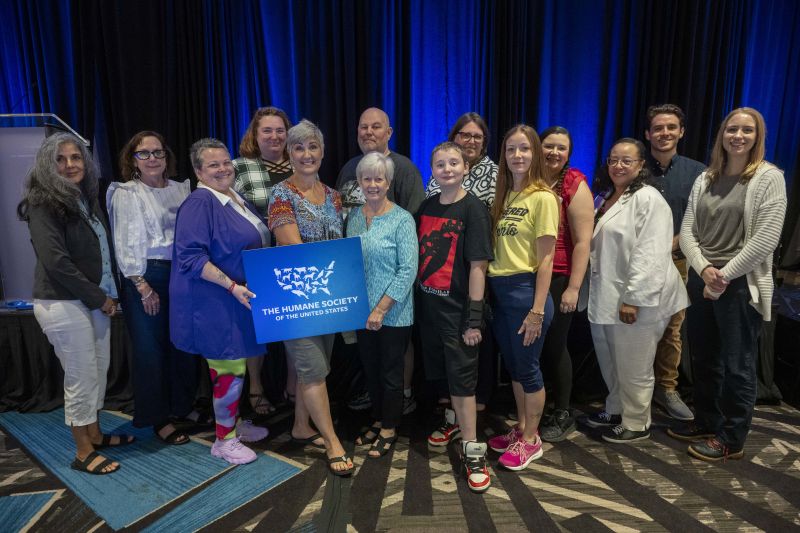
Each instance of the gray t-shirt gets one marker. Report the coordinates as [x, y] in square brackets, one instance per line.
[719, 219]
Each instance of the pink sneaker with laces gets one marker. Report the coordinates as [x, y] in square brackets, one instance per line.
[520, 454]
[500, 443]
[248, 432]
[233, 451]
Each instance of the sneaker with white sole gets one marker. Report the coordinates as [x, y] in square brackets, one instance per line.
[409, 404]
[473, 457]
[248, 432]
[500, 443]
[603, 419]
[362, 402]
[233, 451]
[620, 435]
[672, 403]
[447, 431]
[520, 454]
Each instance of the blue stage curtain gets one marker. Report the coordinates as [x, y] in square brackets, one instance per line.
[192, 69]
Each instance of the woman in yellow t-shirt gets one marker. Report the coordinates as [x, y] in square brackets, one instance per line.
[525, 218]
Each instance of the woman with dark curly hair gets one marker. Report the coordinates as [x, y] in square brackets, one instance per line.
[634, 290]
[142, 207]
[74, 286]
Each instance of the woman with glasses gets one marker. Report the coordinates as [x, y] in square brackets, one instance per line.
[210, 315]
[74, 287]
[569, 267]
[634, 290]
[263, 162]
[471, 133]
[731, 228]
[142, 209]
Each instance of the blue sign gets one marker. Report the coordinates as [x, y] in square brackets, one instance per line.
[307, 289]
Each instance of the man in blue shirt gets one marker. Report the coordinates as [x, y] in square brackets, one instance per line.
[674, 176]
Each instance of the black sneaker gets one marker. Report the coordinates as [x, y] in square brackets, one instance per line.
[713, 450]
[557, 426]
[690, 432]
[603, 419]
[473, 457]
[618, 434]
[361, 402]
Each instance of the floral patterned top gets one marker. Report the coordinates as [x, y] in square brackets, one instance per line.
[287, 205]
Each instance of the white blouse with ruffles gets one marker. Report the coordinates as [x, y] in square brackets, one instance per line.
[143, 222]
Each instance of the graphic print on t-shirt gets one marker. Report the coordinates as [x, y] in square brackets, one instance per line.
[438, 241]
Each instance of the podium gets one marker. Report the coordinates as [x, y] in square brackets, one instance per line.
[21, 135]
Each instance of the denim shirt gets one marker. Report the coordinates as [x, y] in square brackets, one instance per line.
[107, 281]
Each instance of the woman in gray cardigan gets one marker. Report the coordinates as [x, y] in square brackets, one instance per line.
[731, 228]
[74, 288]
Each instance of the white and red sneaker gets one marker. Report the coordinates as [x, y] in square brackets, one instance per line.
[474, 460]
[447, 431]
[500, 443]
[520, 454]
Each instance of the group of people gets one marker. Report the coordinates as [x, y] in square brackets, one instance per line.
[494, 257]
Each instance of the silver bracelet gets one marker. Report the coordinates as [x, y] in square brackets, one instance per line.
[149, 294]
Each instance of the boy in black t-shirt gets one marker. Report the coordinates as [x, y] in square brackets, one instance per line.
[455, 248]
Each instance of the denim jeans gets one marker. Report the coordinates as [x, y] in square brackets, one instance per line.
[512, 298]
[164, 378]
[724, 338]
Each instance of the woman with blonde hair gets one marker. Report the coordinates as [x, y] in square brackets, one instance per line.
[525, 216]
[731, 228]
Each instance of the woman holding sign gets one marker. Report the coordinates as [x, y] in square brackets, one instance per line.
[389, 241]
[303, 209]
[210, 311]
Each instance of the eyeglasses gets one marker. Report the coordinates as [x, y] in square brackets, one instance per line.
[625, 163]
[144, 155]
[466, 136]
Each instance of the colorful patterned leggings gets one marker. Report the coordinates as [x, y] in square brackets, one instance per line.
[227, 377]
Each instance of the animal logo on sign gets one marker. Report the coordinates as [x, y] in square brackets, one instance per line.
[304, 280]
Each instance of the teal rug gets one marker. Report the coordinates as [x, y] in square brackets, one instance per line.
[152, 475]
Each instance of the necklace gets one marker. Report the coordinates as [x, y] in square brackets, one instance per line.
[380, 211]
[509, 203]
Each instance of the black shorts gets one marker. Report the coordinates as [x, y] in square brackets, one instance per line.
[447, 357]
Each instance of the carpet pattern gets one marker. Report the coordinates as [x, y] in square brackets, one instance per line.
[582, 484]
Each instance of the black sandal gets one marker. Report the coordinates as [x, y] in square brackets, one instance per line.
[262, 407]
[365, 440]
[106, 441]
[380, 446]
[83, 466]
[341, 459]
[175, 437]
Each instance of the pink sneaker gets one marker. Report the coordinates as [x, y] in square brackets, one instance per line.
[233, 451]
[247, 432]
[520, 454]
[500, 443]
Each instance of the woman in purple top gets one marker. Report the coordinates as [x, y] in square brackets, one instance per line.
[210, 311]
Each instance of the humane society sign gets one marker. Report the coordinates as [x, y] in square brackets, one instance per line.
[307, 289]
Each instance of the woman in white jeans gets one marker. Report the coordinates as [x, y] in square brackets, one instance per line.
[74, 288]
[634, 290]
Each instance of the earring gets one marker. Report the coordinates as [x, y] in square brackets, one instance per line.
[136, 174]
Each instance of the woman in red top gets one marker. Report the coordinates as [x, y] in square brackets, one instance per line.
[569, 267]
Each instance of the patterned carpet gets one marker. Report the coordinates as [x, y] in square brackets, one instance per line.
[581, 485]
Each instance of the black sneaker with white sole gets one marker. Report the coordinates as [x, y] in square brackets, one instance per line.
[603, 419]
[618, 434]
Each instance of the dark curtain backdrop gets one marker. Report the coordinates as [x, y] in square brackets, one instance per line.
[192, 68]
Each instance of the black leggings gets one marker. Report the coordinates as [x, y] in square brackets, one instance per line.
[555, 359]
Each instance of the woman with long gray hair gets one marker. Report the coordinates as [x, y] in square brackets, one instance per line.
[74, 288]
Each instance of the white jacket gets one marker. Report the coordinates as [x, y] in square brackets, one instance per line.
[764, 211]
[631, 261]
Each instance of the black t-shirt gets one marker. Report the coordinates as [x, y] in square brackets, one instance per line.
[450, 236]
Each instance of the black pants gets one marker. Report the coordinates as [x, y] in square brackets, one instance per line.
[724, 338]
[555, 359]
[382, 356]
